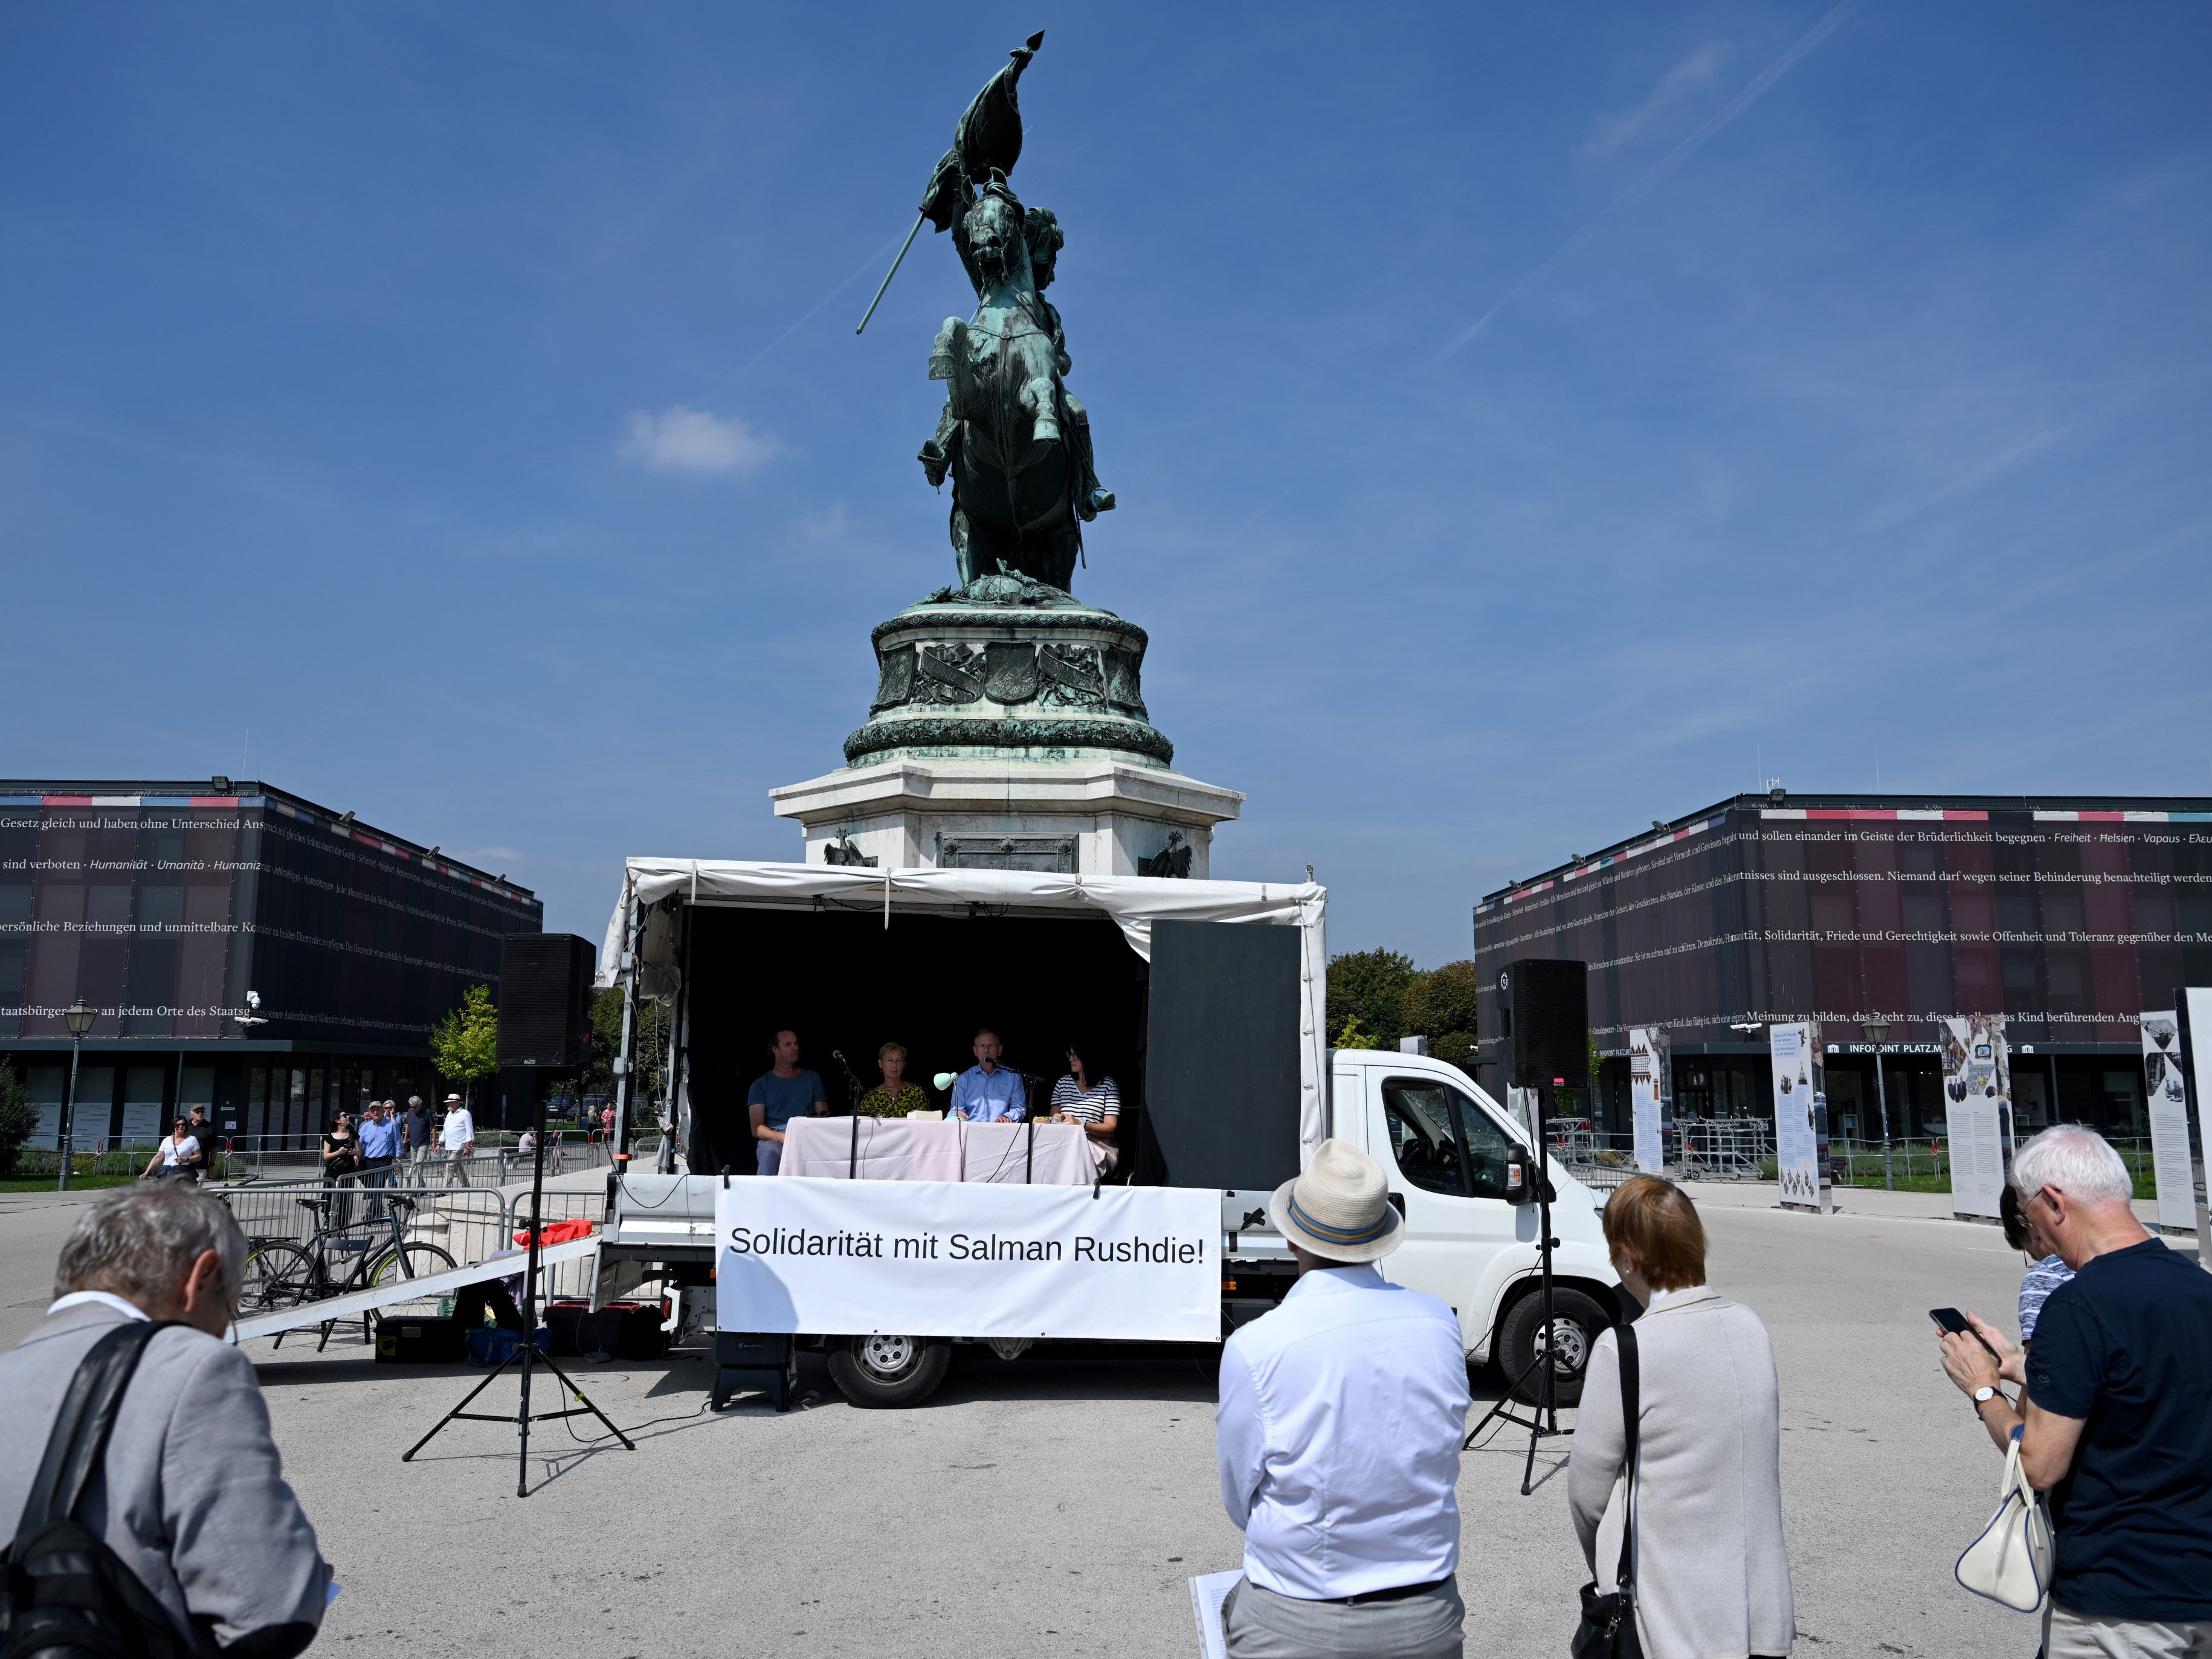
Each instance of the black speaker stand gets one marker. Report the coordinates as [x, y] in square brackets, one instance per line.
[527, 1350]
[1543, 1419]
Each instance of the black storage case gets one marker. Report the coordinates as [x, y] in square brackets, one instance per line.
[407, 1341]
[747, 1359]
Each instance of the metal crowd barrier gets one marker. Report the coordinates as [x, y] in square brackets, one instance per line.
[472, 1225]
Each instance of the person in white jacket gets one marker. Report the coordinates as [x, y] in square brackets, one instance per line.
[1711, 1571]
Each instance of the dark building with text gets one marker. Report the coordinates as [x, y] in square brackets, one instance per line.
[172, 908]
[2070, 916]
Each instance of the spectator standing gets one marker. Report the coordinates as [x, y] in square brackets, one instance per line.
[192, 1500]
[2046, 1270]
[2115, 1421]
[459, 1135]
[606, 1123]
[204, 1133]
[379, 1151]
[340, 1148]
[784, 1092]
[177, 1155]
[1711, 1574]
[1338, 1439]
[415, 1132]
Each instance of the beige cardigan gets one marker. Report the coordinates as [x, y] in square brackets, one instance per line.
[1712, 1576]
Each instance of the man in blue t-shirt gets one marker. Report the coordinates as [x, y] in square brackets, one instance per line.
[779, 1095]
[2117, 1411]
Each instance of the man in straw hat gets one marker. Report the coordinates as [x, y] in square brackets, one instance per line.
[1338, 1438]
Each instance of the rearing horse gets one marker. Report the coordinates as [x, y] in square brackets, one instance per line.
[1013, 440]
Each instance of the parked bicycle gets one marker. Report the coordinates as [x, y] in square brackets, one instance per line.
[340, 1257]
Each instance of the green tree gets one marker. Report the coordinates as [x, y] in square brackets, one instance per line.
[465, 1044]
[1439, 1005]
[1352, 1037]
[1369, 986]
[598, 1077]
[17, 1119]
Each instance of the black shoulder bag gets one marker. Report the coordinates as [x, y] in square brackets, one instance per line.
[64, 1593]
[1608, 1627]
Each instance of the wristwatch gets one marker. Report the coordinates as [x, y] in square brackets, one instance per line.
[1984, 1393]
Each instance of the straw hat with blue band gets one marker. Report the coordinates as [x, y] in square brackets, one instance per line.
[1340, 1208]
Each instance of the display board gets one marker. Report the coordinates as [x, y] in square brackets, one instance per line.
[937, 1258]
[2194, 1004]
[2168, 1096]
[1651, 1093]
[1800, 1113]
[1977, 1100]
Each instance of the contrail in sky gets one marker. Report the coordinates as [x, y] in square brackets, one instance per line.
[861, 271]
[1673, 158]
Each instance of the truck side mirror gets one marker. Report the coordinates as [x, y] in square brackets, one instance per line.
[1519, 1188]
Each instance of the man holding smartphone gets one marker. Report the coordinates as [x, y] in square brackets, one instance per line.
[2116, 1404]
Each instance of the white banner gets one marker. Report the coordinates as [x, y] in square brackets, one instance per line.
[2169, 1121]
[1801, 1108]
[1978, 1102]
[1651, 1091]
[946, 1258]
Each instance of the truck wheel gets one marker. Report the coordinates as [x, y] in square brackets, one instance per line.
[1577, 1323]
[888, 1370]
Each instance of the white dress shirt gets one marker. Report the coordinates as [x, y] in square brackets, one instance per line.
[105, 1298]
[1338, 1437]
[461, 1128]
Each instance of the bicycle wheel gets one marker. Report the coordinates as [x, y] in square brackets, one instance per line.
[409, 1262]
[277, 1275]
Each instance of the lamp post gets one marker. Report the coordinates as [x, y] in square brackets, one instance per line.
[79, 1019]
[1877, 1033]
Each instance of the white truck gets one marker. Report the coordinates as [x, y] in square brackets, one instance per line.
[1207, 999]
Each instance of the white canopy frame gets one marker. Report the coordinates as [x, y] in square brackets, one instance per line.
[1135, 902]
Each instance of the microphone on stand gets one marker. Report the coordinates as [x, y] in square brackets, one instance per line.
[851, 1082]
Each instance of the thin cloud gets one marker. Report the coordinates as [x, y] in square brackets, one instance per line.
[681, 439]
[1673, 158]
[1697, 73]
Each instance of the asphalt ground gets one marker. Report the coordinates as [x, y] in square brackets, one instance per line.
[1058, 1501]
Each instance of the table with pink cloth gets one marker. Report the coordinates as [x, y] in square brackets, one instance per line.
[911, 1149]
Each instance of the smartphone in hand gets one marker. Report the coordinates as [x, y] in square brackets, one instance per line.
[1954, 1322]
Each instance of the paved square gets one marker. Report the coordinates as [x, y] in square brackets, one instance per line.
[1058, 1503]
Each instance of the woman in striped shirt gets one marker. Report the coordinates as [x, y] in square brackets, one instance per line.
[1083, 1097]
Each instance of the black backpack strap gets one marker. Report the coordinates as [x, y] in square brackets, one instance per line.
[1631, 1404]
[79, 1441]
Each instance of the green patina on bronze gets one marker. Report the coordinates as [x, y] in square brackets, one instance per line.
[953, 736]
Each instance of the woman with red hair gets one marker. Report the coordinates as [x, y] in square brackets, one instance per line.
[1709, 1575]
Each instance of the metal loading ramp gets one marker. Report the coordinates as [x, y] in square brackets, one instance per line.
[356, 1304]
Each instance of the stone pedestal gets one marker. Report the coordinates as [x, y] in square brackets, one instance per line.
[1009, 731]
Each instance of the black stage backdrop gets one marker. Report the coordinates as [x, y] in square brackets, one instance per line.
[842, 981]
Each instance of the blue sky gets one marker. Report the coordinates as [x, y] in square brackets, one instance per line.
[1528, 422]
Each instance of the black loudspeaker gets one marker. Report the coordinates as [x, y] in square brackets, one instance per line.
[545, 999]
[1546, 1007]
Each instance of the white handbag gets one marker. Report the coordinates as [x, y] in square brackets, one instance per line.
[2010, 1562]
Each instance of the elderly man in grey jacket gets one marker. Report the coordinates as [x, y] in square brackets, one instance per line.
[191, 1497]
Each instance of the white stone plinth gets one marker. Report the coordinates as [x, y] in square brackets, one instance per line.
[1092, 816]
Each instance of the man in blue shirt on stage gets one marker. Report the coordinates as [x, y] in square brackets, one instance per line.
[784, 1092]
[985, 1094]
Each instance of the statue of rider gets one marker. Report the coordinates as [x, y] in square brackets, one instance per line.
[1042, 238]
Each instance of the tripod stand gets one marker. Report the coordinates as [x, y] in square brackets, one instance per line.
[527, 1350]
[1543, 1419]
